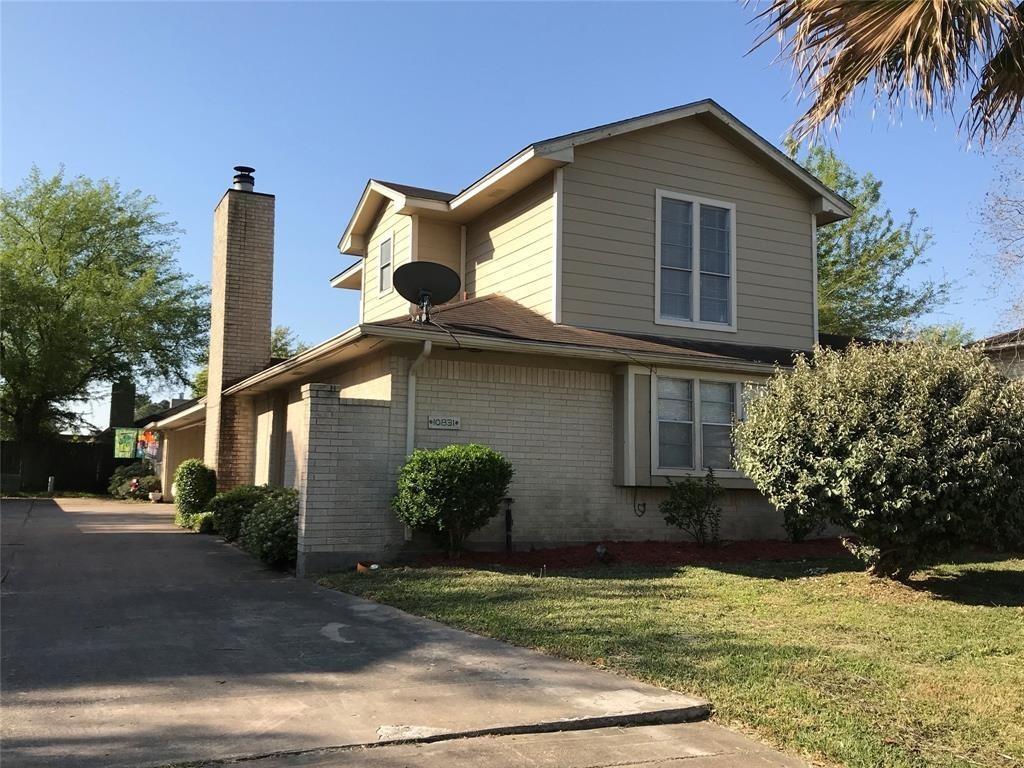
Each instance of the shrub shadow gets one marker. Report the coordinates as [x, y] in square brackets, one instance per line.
[976, 586]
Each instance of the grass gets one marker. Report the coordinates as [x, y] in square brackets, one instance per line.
[814, 657]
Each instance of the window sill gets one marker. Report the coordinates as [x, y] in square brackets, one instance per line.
[695, 324]
[726, 478]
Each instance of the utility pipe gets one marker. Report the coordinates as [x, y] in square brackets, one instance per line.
[410, 404]
[410, 408]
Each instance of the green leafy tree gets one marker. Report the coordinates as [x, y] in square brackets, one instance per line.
[913, 448]
[944, 335]
[864, 261]
[91, 294]
[284, 343]
[146, 406]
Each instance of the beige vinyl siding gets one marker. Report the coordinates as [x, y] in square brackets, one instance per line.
[378, 306]
[608, 256]
[510, 248]
[439, 241]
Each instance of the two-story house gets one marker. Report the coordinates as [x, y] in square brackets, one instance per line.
[621, 287]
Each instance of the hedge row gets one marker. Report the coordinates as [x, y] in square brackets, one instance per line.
[263, 519]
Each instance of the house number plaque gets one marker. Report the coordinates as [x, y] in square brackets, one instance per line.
[444, 422]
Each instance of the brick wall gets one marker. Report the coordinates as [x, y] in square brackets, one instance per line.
[346, 481]
[555, 426]
[554, 423]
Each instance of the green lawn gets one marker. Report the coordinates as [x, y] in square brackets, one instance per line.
[814, 656]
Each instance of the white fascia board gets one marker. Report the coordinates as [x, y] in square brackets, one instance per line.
[186, 415]
[338, 280]
[491, 178]
[333, 344]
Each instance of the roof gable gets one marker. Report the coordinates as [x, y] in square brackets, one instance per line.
[539, 158]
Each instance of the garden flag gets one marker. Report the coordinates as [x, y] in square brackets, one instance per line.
[124, 443]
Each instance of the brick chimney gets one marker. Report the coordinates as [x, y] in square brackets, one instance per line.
[122, 403]
[242, 289]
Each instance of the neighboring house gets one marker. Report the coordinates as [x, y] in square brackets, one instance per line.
[1006, 351]
[622, 286]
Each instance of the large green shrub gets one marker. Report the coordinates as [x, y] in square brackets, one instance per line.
[271, 530]
[194, 486]
[120, 481]
[202, 523]
[1005, 529]
[692, 506]
[452, 491]
[910, 447]
[230, 508]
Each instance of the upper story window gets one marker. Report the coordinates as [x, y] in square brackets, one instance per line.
[695, 251]
[385, 264]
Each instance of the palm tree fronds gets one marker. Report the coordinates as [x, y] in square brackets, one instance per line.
[920, 52]
[996, 104]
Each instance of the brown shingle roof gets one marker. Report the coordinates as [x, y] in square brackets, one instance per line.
[498, 317]
[1007, 339]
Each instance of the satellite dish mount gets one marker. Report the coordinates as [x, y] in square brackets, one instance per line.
[426, 284]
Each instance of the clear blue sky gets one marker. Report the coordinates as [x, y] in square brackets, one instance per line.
[318, 97]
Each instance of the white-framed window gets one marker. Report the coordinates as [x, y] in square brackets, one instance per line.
[692, 417]
[695, 255]
[384, 266]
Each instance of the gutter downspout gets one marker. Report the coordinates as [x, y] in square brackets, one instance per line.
[410, 407]
[410, 403]
[462, 259]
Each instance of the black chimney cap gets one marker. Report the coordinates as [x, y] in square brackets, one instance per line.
[244, 169]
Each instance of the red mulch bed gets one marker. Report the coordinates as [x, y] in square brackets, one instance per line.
[648, 553]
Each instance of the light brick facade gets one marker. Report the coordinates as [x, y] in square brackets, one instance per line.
[240, 307]
[553, 421]
[345, 480]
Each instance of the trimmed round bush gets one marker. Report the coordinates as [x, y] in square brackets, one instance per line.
[913, 448]
[271, 530]
[230, 508]
[194, 486]
[452, 491]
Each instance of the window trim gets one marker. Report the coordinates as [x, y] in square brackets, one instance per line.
[695, 271]
[389, 238]
[737, 380]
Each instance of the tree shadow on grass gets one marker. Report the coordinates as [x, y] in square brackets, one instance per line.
[996, 587]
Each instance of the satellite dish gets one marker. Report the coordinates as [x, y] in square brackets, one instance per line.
[425, 284]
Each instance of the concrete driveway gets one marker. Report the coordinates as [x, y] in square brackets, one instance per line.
[128, 642]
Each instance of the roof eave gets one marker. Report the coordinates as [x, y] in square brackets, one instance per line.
[292, 364]
[189, 417]
[576, 351]
[350, 278]
[353, 239]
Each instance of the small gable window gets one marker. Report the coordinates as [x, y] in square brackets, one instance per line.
[385, 265]
[695, 251]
